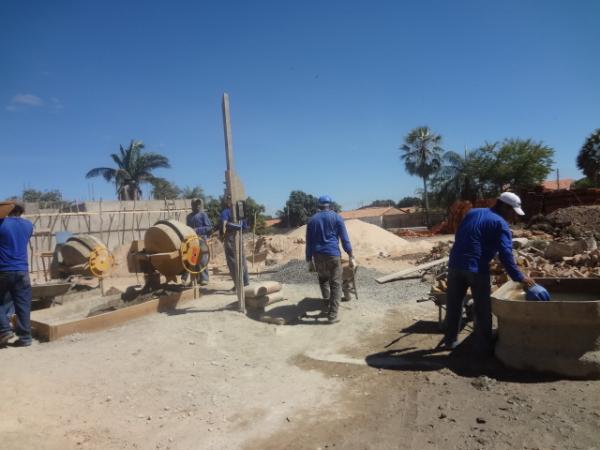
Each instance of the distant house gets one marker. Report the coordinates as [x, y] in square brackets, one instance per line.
[558, 185]
[272, 222]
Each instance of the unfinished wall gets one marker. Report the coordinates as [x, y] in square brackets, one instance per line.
[546, 202]
[412, 220]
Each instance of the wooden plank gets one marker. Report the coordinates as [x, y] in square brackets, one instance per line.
[405, 272]
[112, 318]
[260, 289]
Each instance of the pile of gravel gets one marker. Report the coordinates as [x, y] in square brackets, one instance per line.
[296, 272]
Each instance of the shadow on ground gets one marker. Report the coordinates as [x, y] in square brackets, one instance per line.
[306, 312]
[422, 354]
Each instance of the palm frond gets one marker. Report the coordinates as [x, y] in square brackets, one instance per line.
[107, 172]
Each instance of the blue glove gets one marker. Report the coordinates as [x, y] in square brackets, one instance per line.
[234, 226]
[538, 293]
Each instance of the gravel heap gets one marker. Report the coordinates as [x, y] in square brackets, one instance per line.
[296, 272]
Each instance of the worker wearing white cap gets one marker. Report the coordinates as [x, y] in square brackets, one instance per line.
[483, 234]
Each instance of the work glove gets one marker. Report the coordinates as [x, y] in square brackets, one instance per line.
[352, 262]
[537, 293]
[311, 266]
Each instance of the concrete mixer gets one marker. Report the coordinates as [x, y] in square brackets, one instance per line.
[81, 255]
[169, 248]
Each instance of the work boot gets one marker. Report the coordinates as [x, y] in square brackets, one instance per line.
[5, 338]
[21, 343]
[332, 319]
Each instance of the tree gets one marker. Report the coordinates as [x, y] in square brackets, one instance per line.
[35, 196]
[588, 159]
[46, 199]
[256, 211]
[464, 177]
[193, 192]
[164, 189]
[379, 203]
[583, 183]
[213, 207]
[407, 202]
[521, 164]
[299, 207]
[133, 169]
[422, 156]
[488, 170]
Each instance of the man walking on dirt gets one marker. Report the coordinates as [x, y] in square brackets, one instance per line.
[482, 234]
[15, 233]
[324, 231]
[199, 221]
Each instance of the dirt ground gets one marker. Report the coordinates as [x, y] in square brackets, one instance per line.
[207, 377]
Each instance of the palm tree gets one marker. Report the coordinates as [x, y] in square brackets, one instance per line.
[456, 179]
[133, 168]
[422, 157]
[588, 159]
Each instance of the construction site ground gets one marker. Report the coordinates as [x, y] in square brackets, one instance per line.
[207, 377]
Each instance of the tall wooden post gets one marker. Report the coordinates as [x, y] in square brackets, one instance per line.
[236, 192]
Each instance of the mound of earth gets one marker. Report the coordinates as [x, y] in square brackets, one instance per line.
[576, 221]
[366, 239]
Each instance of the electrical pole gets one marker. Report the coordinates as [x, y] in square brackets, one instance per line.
[235, 190]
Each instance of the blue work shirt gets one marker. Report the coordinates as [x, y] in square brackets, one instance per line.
[481, 235]
[324, 231]
[227, 217]
[200, 222]
[14, 236]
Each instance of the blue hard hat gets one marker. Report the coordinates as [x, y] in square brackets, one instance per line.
[325, 199]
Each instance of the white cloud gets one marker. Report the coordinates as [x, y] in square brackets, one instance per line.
[27, 100]
[24, 101]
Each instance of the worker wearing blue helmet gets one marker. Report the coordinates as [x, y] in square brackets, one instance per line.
[324, 231]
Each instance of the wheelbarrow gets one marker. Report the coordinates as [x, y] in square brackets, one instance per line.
[440, 299]
[349, 281]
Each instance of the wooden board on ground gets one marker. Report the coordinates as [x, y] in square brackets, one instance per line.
[47, 329]
[412, 270]
[264, 300]
[262, 288]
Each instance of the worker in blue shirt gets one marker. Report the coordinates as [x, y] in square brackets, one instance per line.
[324, 231]
[199, 221]
[482, 234]
[227, 231]
[15, 285]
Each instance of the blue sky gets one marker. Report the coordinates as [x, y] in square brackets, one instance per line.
[322, 92]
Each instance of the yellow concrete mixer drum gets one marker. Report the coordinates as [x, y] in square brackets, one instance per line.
[175, 248]
[85, 255]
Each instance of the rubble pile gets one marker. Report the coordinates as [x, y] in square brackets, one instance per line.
[574, 222]
[439, 250]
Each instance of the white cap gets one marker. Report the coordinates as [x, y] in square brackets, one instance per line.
[513, 200]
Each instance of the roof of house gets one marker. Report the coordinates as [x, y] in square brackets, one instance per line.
[271, 222]
[371, 212]
[551, 185]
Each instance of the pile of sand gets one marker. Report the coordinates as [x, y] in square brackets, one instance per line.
[366, 239]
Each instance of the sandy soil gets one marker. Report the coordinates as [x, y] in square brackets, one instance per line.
[207, 377]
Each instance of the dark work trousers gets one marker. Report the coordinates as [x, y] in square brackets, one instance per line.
[229, 245]
[17, 284]
[458, 283]
[329, 270]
